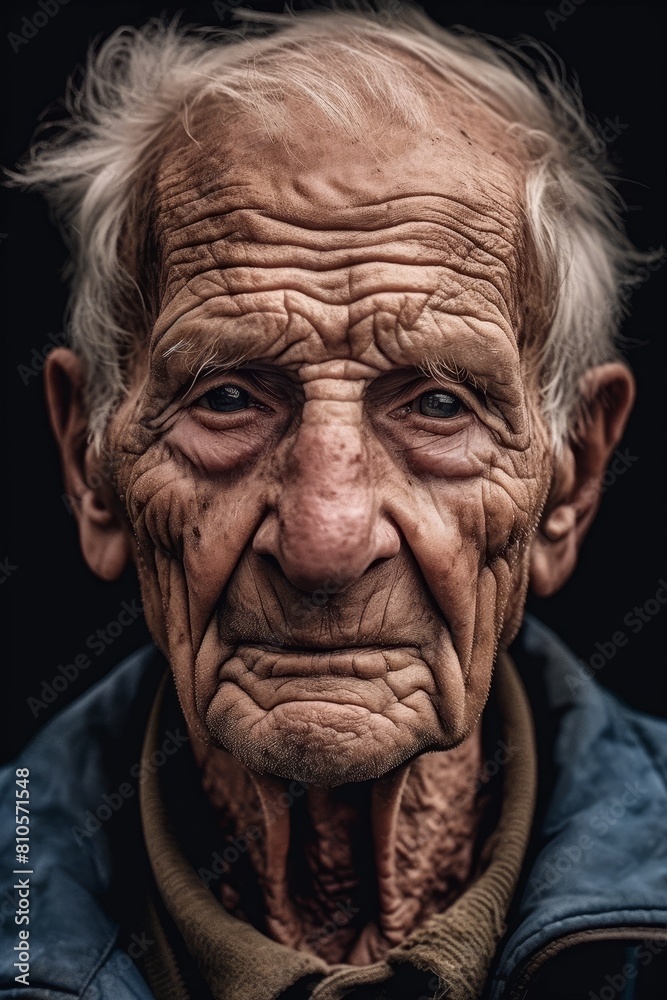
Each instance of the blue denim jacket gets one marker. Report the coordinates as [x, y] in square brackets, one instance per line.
[593, 894]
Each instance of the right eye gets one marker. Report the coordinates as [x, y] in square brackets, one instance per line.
[439, 404]
[225, 399]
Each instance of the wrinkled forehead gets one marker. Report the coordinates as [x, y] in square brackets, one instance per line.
[316, 173]
[454, 187]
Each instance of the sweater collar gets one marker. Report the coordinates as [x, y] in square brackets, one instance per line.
[452, 950]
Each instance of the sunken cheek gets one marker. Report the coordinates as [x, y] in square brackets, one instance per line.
[185, 478]
[204, 455]
[482, 507]
[194, 497]
[192, 476]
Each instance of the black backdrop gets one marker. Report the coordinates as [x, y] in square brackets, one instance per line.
[54, 606]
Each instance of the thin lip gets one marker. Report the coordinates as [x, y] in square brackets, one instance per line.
[329, 650]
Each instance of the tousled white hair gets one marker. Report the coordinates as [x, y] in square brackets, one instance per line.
[141, 80]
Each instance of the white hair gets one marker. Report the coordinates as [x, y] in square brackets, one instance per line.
[142, 80]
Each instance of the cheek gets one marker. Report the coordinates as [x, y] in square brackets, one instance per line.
[469, 529]
[468, 564]
[191, 528]
[474, 510]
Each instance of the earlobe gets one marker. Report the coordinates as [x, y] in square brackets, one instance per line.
[104, 537]
[607, 394]
[553, 555]
[105, 543]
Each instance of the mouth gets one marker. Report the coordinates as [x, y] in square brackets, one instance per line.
[365, 662]
[340, 649]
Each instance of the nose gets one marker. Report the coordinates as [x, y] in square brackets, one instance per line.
[328, 527]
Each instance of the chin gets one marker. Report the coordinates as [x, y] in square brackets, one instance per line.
[314, 742]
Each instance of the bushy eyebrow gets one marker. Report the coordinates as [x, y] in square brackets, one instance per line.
[220, 357]
[195, 360]
[446, 369]
[391, 386]
[203, 358]
[202, 361]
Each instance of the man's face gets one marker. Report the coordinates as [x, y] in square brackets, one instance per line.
[330, 458]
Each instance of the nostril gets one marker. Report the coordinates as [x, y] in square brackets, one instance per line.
[272, 561]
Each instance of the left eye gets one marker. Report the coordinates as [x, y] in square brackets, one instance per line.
[225, 399]
[439, 404]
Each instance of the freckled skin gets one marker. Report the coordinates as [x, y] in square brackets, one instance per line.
[332, 548]
[334, 278]
[335, 482]
[329, 570]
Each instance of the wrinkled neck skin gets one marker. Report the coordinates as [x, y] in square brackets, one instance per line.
[349, 872]
[334, 402]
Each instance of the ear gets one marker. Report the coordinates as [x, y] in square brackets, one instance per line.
[104, 537]
[608, 392]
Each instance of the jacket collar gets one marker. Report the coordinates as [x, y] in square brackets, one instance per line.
[78, 762]
[598, 860]
[599, 854]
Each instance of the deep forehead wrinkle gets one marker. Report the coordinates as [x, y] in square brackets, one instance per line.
[232, 291]
[334, 196]
[339, 250]
[432, 229]
[390, 329]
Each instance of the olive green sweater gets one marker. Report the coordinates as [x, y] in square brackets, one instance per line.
[448, 955]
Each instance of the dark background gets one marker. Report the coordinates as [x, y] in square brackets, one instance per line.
[53, 604]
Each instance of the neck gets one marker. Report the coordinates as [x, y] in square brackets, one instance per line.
[349, 872]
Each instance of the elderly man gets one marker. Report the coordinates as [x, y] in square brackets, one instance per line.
[342, 384]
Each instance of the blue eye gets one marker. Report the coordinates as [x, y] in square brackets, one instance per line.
[225, 399]
[439, 404]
